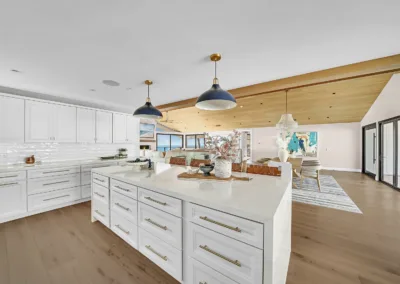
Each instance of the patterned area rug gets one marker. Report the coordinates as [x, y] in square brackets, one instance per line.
[332, 194]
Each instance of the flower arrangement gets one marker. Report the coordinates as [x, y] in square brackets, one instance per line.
[226, 148]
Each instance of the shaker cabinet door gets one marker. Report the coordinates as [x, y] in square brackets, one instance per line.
[132, 129]
[38, 122]
[65, 123]
[119, 128]
[86, 125]
[103, 127]
[12, 198]
[11, 120]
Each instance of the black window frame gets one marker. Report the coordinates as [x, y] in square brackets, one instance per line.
[170, 140]
[195, 141]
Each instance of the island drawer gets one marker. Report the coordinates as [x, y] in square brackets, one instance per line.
[161, 253]
[200, 273]
[101, 212]
[53, 198]
[124, 206]
[160, 224]
[160, 201]
[124, 229]
[86, 178]
[86, 191]
[232, 226]
[124, 188]
[53, 172]
[232, 258]
[100, 193]
[101, 180]
[12, 176]
[46, 184]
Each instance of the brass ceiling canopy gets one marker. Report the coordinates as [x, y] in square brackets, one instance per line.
[148, 82]
[215, 57]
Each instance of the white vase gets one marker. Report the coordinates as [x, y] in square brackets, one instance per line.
[283, 155]
[223, 168]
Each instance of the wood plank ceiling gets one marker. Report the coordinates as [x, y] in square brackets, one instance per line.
[337, 95]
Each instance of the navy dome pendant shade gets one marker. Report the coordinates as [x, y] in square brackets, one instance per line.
[147, 110]
[216, 98]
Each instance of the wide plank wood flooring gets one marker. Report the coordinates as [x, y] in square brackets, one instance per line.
[328, 246]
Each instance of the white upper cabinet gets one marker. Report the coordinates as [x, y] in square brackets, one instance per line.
[11, 120]
[46, 122]
[104, 127]
[126, 129]
[86, 121]
[132, 129]
[119, 128]
[65, 124]
[38, 122]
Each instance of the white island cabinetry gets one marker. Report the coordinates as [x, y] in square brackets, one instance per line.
[224, 233]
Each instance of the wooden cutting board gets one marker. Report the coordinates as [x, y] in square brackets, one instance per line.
[210, 177]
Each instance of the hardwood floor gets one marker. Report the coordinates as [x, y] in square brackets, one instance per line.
[328, 246]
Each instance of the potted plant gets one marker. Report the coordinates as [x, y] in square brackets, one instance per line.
[226, 150]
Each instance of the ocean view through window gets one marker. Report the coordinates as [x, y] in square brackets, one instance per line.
[167, 142]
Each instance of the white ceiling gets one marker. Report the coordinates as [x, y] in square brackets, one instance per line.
[66, 48]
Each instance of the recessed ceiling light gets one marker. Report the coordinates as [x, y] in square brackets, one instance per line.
[330, 106]
[333, 93]
[15, 70]
[327, 117]
[218, 125]
[110, 83]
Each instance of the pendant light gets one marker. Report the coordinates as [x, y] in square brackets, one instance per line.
[147, 110]
[216, 98]
[287, 122]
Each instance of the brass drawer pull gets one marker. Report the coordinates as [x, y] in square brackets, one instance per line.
[58, 182]
[205, 218]
[124, 189]
[10, 176]
[56, 172]
[123, 207]
[48, 199]
[157, 253]
[101, 195]
[157, 225]
[122, 229]
[98, 212]
[6, 184]
[235, 262]
[156, 201]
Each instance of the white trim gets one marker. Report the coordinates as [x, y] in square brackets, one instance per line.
[342, 169]
[30, 213]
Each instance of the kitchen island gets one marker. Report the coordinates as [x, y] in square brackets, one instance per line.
[199, 231]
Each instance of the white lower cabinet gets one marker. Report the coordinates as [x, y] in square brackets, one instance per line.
[86, 191]
[46, 184]
[101, 211]
[12, 198]
[161, 253]
[53, 198]
[232, 258]
[101, 193]
[202, 274]
[126, 207]
[125, 229]
[160, 224]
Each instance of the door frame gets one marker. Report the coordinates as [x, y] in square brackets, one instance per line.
[395, 152]
[364, 129]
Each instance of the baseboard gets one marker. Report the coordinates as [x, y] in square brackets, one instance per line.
[30, 213]
[342, 169]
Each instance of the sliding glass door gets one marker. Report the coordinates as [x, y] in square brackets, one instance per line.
[369, 150]
[389, 152]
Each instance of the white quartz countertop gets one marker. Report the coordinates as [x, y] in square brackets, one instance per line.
[256, 199]
[46, 165]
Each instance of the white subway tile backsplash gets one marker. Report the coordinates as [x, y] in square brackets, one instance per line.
[15, 153]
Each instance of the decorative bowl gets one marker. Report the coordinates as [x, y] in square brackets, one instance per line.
[206, 169]
[192, 170]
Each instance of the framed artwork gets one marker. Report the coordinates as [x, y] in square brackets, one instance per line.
[304, 144]
[147, 130]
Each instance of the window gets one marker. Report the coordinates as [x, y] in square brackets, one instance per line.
[166, 142]
[195, 141]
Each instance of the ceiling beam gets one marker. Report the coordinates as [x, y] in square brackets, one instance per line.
[390, 64]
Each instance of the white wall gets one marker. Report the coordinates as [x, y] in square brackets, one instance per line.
[339, 144]
[387, 105]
